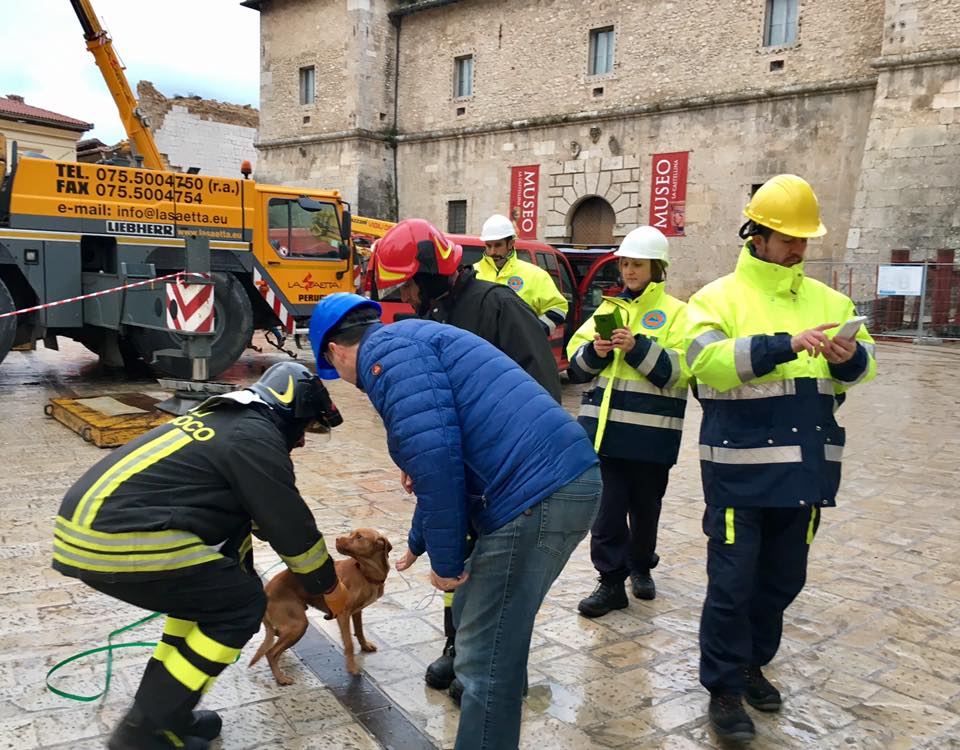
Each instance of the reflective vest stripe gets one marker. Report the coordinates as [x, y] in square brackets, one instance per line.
[78, 557]
[701, 342]
[730, 530]
[143, 458]
[635, 418]
[177, 628]
[137, 541]
[641, 386]
[778, 454]
[768, 389]
[650, 360]
[742, 359]
[582, 362]
[308, 561]
[833, 452]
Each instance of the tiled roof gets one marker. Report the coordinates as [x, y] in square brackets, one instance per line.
[16, 109]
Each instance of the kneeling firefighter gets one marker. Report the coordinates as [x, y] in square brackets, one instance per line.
[165, 523]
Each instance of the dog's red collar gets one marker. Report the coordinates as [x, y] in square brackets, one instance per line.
[367, 578]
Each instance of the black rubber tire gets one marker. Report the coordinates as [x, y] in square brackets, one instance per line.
[8, 326]
[233, 329]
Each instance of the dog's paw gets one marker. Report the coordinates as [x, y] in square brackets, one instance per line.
[284, 679]
[368, 647]
[353, 669]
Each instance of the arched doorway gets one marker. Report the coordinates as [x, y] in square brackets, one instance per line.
[592, 223]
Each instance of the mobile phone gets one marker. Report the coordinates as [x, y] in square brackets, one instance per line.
[850, 328]
[607, 323]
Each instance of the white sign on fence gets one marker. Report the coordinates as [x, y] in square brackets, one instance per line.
[900, 281]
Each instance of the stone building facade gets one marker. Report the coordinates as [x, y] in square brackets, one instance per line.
[858, 96]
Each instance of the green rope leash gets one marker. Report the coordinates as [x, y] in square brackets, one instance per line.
[109, 648]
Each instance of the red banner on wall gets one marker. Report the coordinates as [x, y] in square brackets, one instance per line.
[524, 189]
[668, 193]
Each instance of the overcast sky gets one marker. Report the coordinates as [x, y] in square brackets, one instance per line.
[209, 48]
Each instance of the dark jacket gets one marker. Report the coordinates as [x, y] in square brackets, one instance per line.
[189, 493]
[481, 441]
[495, 313]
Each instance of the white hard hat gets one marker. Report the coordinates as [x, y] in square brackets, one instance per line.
[645, 242]
[497, 227]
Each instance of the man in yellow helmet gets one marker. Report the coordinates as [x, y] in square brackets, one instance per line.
[534, 285]
[770, 377]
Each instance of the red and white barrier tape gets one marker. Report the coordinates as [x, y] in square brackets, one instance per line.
[177, 275]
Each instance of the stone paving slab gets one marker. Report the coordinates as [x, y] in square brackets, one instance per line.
[871, 650]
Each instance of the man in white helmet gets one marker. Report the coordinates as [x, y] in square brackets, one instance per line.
[500, 264]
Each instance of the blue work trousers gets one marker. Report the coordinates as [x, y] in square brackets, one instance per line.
[756, 566]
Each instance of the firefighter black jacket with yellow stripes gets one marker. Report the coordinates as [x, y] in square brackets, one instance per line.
[188, 493]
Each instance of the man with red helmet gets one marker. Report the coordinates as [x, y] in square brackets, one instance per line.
[416, 257]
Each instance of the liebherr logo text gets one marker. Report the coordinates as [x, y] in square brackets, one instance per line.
[139, 227]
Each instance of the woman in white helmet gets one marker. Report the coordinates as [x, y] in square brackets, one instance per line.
[634, 414]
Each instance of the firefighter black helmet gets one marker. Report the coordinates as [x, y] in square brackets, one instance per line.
[299, 398]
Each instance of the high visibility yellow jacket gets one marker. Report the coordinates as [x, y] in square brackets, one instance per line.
[190, 493]
[534, 285]
[768, 436]
[635, 410]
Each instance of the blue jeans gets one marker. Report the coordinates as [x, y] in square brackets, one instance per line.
[511, 571]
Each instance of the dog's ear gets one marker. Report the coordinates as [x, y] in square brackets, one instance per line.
[382, 541]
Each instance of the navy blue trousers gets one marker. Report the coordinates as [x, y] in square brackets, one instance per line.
[632, 492]
[756, 566]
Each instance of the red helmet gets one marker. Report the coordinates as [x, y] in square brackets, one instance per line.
[413, 246]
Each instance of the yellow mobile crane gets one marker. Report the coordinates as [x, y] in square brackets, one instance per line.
[71, 230]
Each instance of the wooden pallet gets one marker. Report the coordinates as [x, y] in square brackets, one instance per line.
[110, 420]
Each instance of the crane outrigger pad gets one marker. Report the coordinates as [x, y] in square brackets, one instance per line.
[110, 420]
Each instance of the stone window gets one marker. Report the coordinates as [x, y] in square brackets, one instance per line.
[457, 217]
[463, 77]
[780, 27]
[308, 85]
[601, 51]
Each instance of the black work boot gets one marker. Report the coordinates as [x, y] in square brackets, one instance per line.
[605, 598]
[136, 732]
[440, 672]
[456, 690]
[206, 725]
[759, 692]
[642, 586]
[729, 719]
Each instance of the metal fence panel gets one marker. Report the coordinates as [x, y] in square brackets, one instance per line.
[933, 314]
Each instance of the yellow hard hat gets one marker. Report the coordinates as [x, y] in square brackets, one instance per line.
[786, 203]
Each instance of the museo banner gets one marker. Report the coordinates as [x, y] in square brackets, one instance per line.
[524, 189]
[668, 193]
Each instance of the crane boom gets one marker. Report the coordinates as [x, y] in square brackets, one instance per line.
[134, 122]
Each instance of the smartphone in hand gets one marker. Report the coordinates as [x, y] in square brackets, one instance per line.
[850, 328]
[607, 323]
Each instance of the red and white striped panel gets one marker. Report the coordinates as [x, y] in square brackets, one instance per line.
[286, 319]
[192, 306]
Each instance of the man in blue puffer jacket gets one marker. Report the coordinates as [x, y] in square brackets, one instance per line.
[486, 446]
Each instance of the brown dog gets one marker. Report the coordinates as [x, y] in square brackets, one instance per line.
[363, 574]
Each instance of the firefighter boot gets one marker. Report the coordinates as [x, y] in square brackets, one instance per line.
[759, 692]
[728, 718]
[605, 598]
[206, 725]
[440, 672]
[136, 732]
[643, 586]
